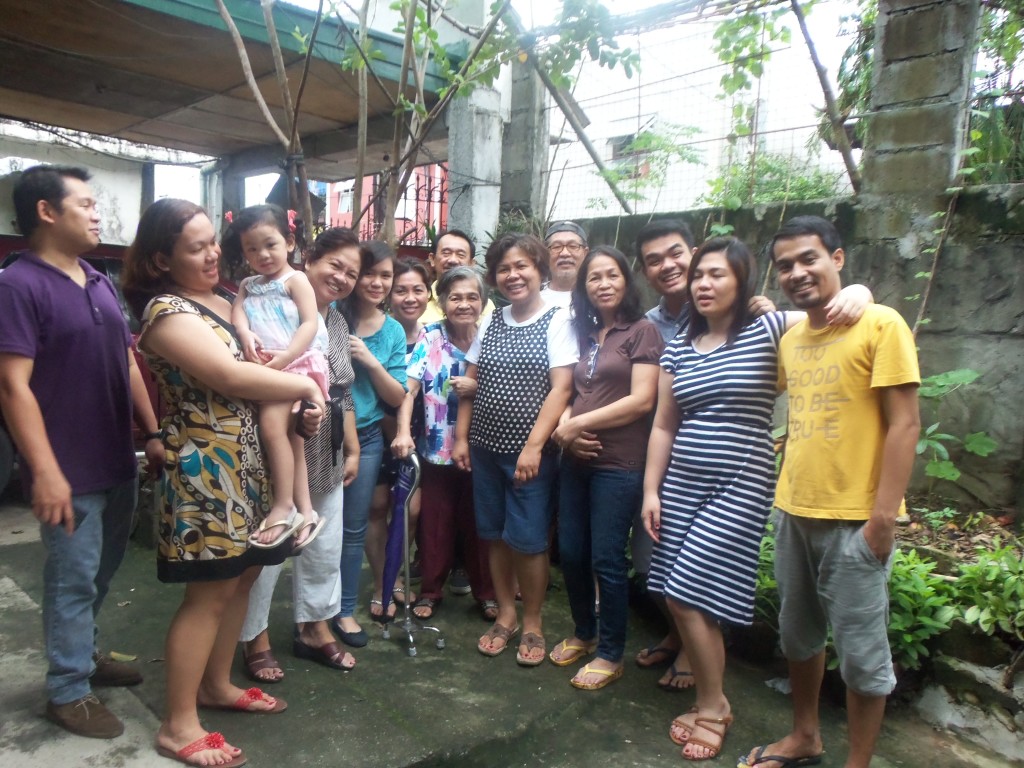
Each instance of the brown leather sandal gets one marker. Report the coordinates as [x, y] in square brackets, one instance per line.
[496, 632]
[259, 661]
[706, 723]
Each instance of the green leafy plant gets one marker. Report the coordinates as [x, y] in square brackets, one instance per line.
[934, 445]
[743, 43]
[769, 177]
[992, 592]
[920, 608]
[937, 518]
[997, 137]
[991, 598]
[766, 591]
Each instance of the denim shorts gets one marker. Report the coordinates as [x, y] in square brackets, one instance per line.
[828, 576]
[518, 515]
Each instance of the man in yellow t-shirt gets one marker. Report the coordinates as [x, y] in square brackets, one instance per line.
[453, 248]
[853, 428]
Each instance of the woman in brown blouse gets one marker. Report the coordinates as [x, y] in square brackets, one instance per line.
[603, 434]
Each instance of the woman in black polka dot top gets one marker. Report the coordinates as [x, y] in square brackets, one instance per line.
[523, 359]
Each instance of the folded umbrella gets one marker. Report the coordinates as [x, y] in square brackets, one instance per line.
[395, 551]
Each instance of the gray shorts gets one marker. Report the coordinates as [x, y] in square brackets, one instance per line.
[828, 576]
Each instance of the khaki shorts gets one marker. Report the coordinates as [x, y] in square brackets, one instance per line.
[828, 576]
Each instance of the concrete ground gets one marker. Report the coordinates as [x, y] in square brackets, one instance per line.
[450, 707]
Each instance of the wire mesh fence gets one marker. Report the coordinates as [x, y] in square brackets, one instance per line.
[677, 96]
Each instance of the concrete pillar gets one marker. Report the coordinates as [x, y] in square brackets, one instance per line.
[524, 147]
[148, 186]
[474, 162]
[924, 60]
[222, 192]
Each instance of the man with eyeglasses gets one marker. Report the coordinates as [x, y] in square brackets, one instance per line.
[453, 248]
[567, 247]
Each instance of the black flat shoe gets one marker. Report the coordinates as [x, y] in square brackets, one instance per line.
[351, 639]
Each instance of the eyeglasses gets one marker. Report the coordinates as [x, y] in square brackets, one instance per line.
[573, 248]
[592, 361]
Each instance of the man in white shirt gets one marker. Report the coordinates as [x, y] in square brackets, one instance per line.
[567, 247]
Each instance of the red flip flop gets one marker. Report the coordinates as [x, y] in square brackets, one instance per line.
[209, 741]
[247, 699]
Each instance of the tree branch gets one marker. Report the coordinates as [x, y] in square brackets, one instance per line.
[465, 29]
[831, 109]
[250, 78]
[357, 184]
[408, 56]
[279, 69]
[442, 103]
[580, 131]
[359, 47]
[305, 75]
[295, 164]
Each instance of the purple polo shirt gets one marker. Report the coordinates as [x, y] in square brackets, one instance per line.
[79, 341]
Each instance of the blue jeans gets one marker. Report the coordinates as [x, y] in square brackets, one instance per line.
[356, 514]
[76, 578]
[595, 512]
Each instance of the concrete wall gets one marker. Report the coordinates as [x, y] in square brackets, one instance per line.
[976, 311]
[116, 182]
[474, 162]
[924, 57]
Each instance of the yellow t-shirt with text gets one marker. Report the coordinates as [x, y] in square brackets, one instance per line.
[834, 377]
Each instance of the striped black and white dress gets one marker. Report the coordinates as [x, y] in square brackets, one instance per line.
[720, 480]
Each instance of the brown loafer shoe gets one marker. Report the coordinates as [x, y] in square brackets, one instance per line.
[110, 673]
[86, 716]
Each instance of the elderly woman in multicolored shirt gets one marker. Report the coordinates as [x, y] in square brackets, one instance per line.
[437, 369]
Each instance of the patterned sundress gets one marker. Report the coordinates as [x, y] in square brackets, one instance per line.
[215, 489]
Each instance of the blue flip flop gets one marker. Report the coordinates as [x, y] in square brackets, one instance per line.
[667, 686]
[665, 656]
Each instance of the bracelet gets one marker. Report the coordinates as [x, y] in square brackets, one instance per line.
[158, 435]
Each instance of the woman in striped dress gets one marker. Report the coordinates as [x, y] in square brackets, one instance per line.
[710, 474]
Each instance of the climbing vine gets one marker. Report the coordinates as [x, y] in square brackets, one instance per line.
[744, 44]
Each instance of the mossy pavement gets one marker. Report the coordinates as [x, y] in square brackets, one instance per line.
[451, 707]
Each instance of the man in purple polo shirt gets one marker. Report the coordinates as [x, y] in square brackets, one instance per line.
[68, 389]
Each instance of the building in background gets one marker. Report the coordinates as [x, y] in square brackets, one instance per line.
[422, 207]
[676, 95]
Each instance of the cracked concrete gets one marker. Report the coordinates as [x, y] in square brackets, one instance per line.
[450, 707]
